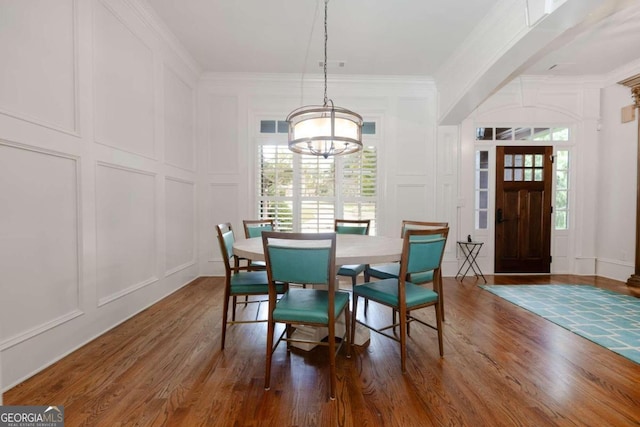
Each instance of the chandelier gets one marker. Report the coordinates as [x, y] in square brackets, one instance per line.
[324, 130]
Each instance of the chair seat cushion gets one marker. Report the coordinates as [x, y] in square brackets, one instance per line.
[252, 282]
[391, 271]
[386, 292]
[351, 269]
[308, 306]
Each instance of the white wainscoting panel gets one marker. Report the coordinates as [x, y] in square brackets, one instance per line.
[412, 136]
[126, 231]
[180, 224]
[179, 120]
[39, 235]
[37, 76]
[222, 144]
[411, 202]
[123, 86]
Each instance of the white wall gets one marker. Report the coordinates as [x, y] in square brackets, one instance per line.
[98, 180]
[618, 148]
[417, 167]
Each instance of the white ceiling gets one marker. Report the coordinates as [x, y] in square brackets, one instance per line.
[375, 37]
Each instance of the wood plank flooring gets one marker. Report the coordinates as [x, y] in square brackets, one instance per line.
[503, 366]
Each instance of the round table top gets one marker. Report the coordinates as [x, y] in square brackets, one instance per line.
[350, 249]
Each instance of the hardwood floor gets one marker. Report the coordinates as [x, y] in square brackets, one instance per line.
[503, 366]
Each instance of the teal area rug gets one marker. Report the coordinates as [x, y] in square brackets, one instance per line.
[607, 318]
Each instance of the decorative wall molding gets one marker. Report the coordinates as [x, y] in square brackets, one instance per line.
[74, 130]
[168, 68]
[32, 332]
[153, 278]
[104, 139]
[52, 323]
[116, 295]
[179, 268]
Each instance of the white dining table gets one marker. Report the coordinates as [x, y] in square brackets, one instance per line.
[350, 249]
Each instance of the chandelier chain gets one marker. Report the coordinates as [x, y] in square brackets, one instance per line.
[326, 2]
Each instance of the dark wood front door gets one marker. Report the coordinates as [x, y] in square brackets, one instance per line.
[523, 209]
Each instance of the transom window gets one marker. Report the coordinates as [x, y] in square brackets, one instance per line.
[522, 134]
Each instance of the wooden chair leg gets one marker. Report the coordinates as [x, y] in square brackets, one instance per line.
[439, 326]
[267, 372]
[348, 329]
[225, 313]
[233, 312]
[403, 340]
[332, 360]
[354, 313]
[441, 294]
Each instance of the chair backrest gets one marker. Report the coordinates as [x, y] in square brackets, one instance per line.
[352, 226]
[423, 250]
[226, 239]
[255, 227]
[421, 225]
[308, 258]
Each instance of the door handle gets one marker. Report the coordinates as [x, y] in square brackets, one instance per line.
[499, 218]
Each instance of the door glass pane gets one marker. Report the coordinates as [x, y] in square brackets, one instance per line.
[538, 175]
[518, 158]
[528, 160]
[508, 175]
[508, 160]
[517, 175]
[539, 161]
[528, 174]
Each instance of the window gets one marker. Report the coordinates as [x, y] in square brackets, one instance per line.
[561, 207]
[560, 134]
[306, 193]
[482, 189]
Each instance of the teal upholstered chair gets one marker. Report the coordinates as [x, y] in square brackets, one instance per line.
[422, 251]
[240, 280]
[391, 271]
[304, 258]
[254, 228]
[348, 226]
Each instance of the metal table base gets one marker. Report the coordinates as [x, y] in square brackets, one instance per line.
[470, 250]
